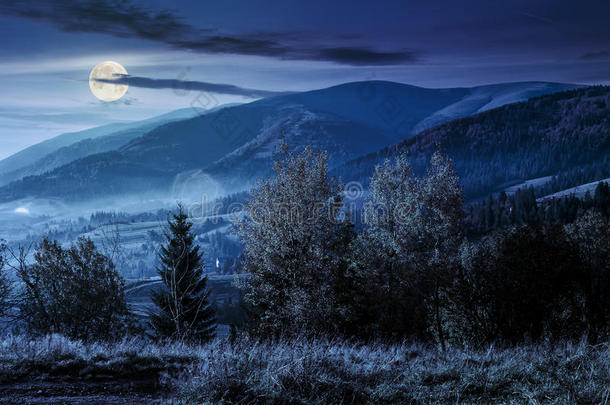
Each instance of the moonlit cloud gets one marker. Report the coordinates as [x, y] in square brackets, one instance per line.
[128, 19]
[189, 85]
[67, 64]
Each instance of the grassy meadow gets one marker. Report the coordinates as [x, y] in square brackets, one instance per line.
[299, 371]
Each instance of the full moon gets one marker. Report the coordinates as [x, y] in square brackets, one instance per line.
[107, 91]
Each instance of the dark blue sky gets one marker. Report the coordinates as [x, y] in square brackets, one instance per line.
[49, 48]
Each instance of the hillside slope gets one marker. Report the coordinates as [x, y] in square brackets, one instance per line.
[565, 135]
[66, 148]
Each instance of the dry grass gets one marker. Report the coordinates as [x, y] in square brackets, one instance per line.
[55, 356]
[325, 372]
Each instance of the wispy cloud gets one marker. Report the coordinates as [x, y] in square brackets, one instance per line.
[539, 18]
[123, 18]
[596, 55]
[150, 83]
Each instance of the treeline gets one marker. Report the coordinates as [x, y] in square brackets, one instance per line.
[409, 272]
[78, 292]
[522, 207]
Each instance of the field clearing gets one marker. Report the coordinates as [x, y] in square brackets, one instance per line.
[133, 234]
[578, 191]
[529, 183]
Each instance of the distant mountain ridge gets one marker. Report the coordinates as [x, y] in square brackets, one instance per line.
[65, 148]
[230, 148]
[385, 100]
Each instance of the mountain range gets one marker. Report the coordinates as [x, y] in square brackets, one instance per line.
[561, 140]
[187, 153]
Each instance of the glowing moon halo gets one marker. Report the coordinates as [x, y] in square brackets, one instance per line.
[107, 91]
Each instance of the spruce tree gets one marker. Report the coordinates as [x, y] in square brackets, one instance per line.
[183, 308]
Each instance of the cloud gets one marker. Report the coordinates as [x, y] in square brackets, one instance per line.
[123, 18]
[360, 56]
[125, 100]
[115, 17]
[539, 18]
[596, 55]
[182, 85]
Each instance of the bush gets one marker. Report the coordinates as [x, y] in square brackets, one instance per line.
[591, 232]
[76, 292]
[523, 283]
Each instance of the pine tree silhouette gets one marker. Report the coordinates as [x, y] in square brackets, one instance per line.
[184, 311]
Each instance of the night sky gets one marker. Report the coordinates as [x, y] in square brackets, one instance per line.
[255, 48]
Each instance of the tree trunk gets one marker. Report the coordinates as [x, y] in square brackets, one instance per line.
[437, 313]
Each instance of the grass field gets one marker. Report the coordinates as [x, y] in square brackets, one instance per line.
[299, 371]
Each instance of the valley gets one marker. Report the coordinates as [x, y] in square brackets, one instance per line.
[488, 157]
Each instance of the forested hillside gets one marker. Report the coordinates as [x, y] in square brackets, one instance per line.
[565, 135]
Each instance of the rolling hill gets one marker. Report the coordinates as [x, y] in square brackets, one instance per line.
[227, 150]
[66, 148]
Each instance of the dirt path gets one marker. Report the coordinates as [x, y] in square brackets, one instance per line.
[143, 285]
[67, 391]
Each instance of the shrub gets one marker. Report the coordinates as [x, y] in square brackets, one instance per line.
[523, 283]
[591, 232]
[76, 292]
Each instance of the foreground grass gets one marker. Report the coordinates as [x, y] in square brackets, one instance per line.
[324, 372]
[55, 356]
